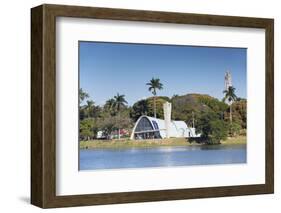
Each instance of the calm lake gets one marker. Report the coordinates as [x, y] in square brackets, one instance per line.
[92, 159]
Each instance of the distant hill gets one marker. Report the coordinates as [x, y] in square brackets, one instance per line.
[182, 106]
[190, 102]
[189, 105]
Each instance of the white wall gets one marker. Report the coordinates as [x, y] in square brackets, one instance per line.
[15, 105]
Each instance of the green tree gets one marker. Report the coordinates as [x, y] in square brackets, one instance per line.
[218, 131]
[119, 104]
[109, 123]
[139, 108]
[87, 129]
[82, 95]
[123, 122]
[146, 107]
[213, 103]
[239, 113]
[89, 107]
[230, 96]
[212, 128]
[156, 102]
[82, 109]
[234, 129]
[82, 113]
[109, 105]
[154, 85]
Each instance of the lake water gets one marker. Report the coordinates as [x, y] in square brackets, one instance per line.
[93, 159]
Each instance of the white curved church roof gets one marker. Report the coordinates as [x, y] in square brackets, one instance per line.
[177, 128]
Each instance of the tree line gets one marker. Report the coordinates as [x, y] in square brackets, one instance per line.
[213, 118]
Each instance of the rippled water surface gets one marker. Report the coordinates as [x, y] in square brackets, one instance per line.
[92, 159]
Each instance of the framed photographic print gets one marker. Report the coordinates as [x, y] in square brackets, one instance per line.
[136, 106]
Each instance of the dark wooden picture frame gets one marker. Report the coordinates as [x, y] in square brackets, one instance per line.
[43, 105]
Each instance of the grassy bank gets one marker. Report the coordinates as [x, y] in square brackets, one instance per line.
[235, 140]
[126, 143]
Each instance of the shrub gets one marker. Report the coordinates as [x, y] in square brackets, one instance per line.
[212, 129]
[234, 129]
[87, 129]
[218, 131]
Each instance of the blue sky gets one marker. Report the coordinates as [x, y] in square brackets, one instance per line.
[108, 68]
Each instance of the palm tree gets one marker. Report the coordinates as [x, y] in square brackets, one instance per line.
[82, 95]
[109, 105]
[154, 84]
[230, 96]
[119, 103]
[89, 107]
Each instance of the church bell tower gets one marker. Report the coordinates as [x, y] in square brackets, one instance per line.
[227, 84]
[227, 80]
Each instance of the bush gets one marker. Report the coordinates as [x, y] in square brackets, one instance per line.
[87, 129]
[234, 129]
[212, 129]
[218, 131]
[243, 132]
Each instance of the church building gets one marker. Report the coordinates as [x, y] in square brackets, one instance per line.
[148, 127]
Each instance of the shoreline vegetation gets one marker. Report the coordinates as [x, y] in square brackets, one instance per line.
[127, 143]
[109, 125]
